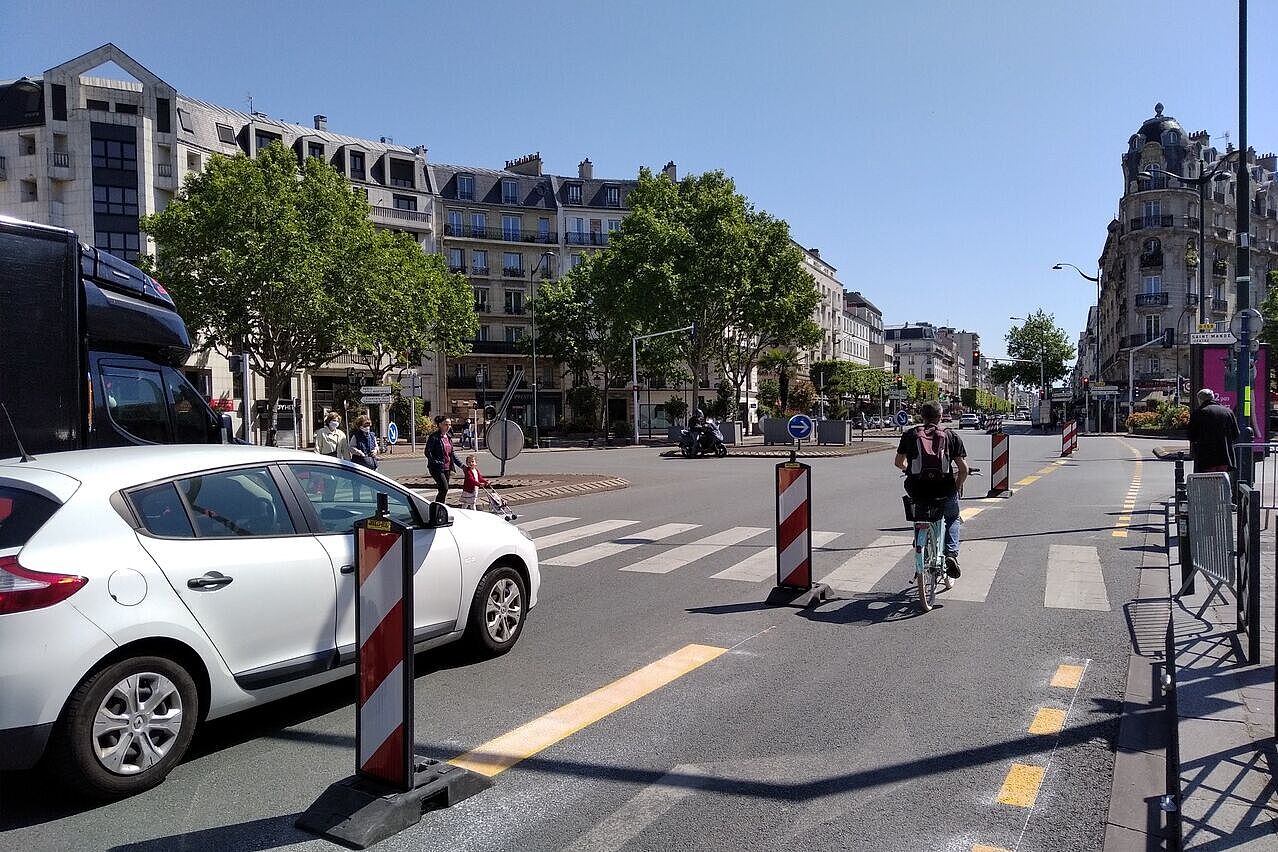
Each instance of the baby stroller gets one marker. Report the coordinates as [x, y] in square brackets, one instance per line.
[499, 506]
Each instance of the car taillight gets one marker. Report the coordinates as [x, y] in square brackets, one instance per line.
[22, 589]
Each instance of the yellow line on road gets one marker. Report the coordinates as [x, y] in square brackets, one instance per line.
[1067, 676]
[1029, 480]
[1048, 720]
[983, 848]
[970, 512]
[1020, 787]
[1045, 471]
[505, 751]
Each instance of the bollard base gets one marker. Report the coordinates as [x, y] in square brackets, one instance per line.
[359, 813]
[994, 492]
[785, 596]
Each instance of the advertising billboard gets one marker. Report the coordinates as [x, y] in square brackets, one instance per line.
[1216, 367]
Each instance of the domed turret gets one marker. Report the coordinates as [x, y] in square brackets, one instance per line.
[1154, 128]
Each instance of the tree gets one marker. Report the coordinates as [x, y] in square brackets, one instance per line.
[412, 303]
[1037, 340]
[782, 363]
[1269, 310]
[280, 262]
[583, 323]
[803, 398]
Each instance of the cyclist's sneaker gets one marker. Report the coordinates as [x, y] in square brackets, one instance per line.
[952, 566]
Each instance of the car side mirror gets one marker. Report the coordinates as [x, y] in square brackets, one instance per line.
[438, 516]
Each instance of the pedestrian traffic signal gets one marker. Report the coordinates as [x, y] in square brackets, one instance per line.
[235, 363]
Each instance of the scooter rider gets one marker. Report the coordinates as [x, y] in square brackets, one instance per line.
[697, 427]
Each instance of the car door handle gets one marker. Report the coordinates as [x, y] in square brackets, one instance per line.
[211, 580]
[347, 569]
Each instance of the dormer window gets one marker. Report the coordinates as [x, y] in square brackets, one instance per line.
[314, 150]
[357, 165]
[612, 196]
[509, 191]
[574, 193]
[466, 187]
[225, 134]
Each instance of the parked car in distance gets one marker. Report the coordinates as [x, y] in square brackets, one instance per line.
[145, 590]
[969, 420]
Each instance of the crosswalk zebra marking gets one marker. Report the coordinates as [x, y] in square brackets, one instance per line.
[867, 566]
[1074, 579]
[538, 523]
[980, 561]
[565, 536]
[664, 563]
[763, 565]
[595, 552]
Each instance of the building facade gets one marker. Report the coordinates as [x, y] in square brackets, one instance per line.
[862, 330]
[1151, 260]
[828, 313]
[927, 353]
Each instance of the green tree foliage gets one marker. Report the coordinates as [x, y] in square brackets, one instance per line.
[696, 252]
[803, 397]
[1269, 310]
[769, 397]
[784, 364]
[280, 261]
[1038, 340]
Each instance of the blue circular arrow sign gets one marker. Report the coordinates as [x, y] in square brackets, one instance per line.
[800, 426]
[902, 418]
[392, 433]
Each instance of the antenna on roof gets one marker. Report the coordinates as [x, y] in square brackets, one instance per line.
[248, 96]
[22, 451]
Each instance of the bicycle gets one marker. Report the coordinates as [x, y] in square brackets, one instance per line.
[929, 558]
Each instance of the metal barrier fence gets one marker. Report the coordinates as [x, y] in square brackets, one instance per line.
[1211, 533]
[1171, 800]
[1258, 464]
[1247, 582]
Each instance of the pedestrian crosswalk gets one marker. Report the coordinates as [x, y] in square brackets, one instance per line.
[1072, 574]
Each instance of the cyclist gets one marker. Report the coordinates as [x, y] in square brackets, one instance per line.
[935, 465]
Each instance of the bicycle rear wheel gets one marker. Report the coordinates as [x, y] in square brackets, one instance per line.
[924, 558]
[931, 574]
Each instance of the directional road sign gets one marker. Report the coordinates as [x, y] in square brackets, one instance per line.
[375, 390]
[903, 418]
[897, 394]
[392, 433]
[1213, 337]
[1110, 390]
[375, 399]
[800, 427]
[1062, 395]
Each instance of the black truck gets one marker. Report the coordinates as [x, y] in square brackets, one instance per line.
[90, 350]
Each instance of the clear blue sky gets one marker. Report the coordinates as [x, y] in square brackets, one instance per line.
[942, 155]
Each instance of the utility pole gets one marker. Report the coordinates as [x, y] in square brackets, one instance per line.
[1242, 270]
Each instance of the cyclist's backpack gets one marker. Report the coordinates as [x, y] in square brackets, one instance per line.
[932, 461]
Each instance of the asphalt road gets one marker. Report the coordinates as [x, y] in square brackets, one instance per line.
[860, 724]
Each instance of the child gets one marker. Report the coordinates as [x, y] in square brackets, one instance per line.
[473, 479]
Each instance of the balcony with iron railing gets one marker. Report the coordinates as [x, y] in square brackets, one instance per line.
[515, 310]
[1150, 222]
[1220, 306]
[457, 267]
[482, 307]
[512, 272]
[479, 271]
[494, 347]
[1151, 300]
[592, 238]
[1151, 260]
[416, 220]
[1220, 269]
[60, 165]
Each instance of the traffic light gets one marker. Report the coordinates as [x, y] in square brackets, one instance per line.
[1086, 381]
[899, 380]
[976, 356]
[1042, 393]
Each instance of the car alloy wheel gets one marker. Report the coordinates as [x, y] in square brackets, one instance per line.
[125, 727]
[137, 723]
[497, 610]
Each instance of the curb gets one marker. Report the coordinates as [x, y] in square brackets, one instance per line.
[784, 453]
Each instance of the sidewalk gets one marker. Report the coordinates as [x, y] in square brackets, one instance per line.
[1225, 719]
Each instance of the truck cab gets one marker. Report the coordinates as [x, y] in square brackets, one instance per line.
[92, 351]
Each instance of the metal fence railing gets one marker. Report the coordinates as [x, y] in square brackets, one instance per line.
[1247, 581]
[1171, 799]
[1211, 533]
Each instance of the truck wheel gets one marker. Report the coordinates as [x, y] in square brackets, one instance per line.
[125, 727]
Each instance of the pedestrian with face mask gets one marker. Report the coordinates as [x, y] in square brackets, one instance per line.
[330, 440]
[363, 443]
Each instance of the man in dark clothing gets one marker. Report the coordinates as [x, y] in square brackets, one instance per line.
[1213, 431]
[947, 486]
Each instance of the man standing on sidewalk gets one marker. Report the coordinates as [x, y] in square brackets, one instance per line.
[1212, 434]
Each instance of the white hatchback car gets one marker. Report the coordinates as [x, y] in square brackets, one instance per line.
[144, 590]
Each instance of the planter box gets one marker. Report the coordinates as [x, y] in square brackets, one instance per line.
[775, 431]
[832, 432]
[731, 430]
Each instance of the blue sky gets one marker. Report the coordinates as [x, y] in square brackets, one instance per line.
[942, 155]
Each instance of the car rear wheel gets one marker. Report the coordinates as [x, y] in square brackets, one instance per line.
[125, 727]
[497, 611]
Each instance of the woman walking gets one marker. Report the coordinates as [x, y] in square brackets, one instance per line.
[439, 456]
[363, 443]
[330, 440]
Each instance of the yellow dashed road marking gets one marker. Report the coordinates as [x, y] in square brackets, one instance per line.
[505, 751]
[1045, 471]
[981, 848]
[1067, 676]
[1048, 720]
[1029, 480]
[970, 512]
[1020, 787]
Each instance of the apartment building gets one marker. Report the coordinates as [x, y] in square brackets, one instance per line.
[862, 330]
[1151, 260]
[926, 352]
[828, 313]
[968, 345]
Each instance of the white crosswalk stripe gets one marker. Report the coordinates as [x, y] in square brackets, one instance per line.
[1074, 579]
[763, 565]
[596, 552]
[565, 536]
[979, 561]
[684, 554]
[867, 566]
[539, 523]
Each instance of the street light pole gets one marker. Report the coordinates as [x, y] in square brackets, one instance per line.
[634, 369]
[545, 258]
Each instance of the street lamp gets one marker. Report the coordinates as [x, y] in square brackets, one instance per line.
[1202, 181]
[545, 258]
[1096, 332]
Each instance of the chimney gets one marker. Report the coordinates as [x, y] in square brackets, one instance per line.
[321, 122]
[421, 151]
[815, 252]
[529, 164]
[586, 169]
[670, 172]
[388, 140]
